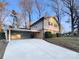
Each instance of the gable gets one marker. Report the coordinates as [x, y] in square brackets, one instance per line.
[53, 24]
[52, 21]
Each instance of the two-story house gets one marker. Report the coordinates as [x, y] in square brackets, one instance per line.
[45, 24]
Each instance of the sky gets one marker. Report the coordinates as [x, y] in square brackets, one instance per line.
[14, 5]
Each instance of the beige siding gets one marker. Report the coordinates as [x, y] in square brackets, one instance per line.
[54, 28]
[40, 35]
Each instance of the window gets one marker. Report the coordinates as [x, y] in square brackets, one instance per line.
[49, 23]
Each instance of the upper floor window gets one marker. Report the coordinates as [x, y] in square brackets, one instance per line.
[49, 23]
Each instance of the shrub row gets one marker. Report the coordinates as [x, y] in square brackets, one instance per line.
[50, 35]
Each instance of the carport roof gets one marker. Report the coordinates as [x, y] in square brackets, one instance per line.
[26, 30]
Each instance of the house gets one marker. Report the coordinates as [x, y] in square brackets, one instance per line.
[46, 24]
[37, 30]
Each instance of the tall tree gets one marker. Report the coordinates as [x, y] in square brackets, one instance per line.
[72, 8]
[26, 6]
[2, 12]
[76, 17]
[13, 14]
[16, 20]
[40, 7]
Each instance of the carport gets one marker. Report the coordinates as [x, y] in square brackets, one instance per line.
[14, 34]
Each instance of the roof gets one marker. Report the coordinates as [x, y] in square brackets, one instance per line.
[41, 19]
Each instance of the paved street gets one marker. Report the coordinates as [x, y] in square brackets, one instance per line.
[37, 49]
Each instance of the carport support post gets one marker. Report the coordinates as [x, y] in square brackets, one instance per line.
[9, 34]
[6, 34]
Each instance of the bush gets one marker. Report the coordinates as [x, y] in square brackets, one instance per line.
[2, 35]
[48, 35]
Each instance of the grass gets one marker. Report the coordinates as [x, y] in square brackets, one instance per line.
[67, 42]
[3, 44]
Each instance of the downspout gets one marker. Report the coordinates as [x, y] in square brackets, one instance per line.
[9, 34]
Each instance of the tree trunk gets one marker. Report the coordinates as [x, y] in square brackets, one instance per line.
[78, 26]
[29, 21]
[72, 19]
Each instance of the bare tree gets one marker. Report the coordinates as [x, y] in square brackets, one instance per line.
[72, 8]
[76, 17]
[16, 19]
[26, 6]
[2, 12]
[40, 7]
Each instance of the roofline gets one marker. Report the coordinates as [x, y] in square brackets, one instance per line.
[16, 29]
[44, 18]
[38, 21]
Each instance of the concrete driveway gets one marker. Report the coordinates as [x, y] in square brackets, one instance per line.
[37, 49]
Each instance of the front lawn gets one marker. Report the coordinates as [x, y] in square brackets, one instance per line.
[67, 42]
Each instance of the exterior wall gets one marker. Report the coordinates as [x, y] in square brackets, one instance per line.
[39, 35]
[38, 26]
[46, 26]
[50, 24]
